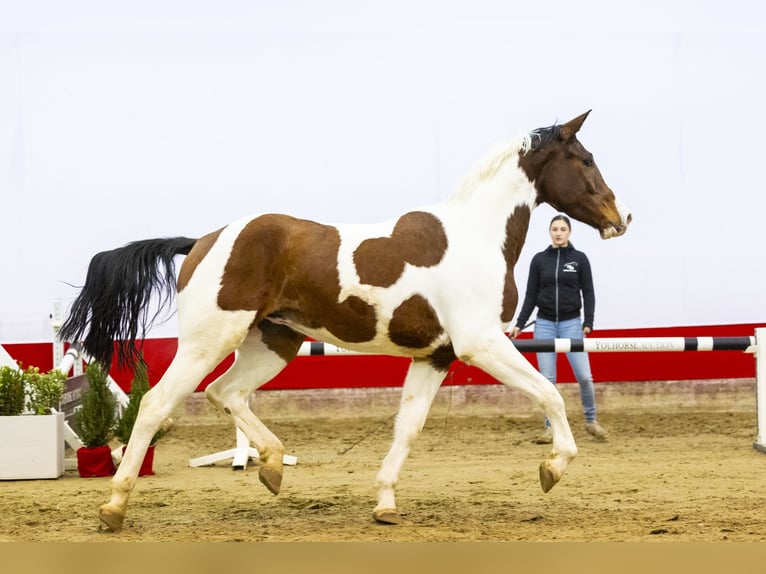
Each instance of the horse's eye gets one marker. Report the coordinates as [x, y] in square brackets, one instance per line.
[588, 162]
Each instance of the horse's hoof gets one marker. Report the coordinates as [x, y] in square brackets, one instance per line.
[547, 478]
[270, 478]
[387, 516]
[111, 517]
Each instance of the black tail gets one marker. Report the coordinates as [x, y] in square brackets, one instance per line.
[113, 304]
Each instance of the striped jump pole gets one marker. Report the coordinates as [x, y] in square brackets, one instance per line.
[613, 345]
[753, 344]
[635, 345]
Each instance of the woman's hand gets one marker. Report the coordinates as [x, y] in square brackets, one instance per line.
[514, 332]
[587, 330]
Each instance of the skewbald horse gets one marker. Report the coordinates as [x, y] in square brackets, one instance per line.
[435, 285]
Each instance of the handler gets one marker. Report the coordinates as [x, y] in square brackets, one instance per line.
[560, 284]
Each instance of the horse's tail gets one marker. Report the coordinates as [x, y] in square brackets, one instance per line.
[113, 305]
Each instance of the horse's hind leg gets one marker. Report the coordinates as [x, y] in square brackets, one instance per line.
[418, 393]
[255, 365]
[195, 358]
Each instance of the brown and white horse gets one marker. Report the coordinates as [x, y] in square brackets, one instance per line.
[435, 285]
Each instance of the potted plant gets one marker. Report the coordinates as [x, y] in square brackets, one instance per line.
[94, 423]
[32, 433]
[124, 428]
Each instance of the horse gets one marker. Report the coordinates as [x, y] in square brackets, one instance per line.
[435, 284]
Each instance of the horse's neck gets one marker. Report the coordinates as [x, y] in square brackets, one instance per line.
[489, 202]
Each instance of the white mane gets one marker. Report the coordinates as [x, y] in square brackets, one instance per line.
[487, 167]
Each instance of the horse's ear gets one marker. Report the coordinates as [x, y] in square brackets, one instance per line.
[569, 129]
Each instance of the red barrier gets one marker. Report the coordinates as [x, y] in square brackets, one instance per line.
[382, 371]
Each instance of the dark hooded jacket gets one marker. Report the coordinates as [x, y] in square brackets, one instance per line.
[560, 284]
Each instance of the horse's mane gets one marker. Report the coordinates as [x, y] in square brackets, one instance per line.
[543, 136]
[487, 167]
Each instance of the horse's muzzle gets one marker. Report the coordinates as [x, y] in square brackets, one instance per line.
[616, 229]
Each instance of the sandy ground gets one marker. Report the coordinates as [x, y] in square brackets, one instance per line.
[673, 470]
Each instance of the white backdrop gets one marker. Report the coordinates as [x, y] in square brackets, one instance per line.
[176, 117]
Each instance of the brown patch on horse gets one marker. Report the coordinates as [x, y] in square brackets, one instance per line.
[443, 357]
[414, 324]
[197, 254]
[280, 339]
[285, 267]
[418, 239]
[516, 227]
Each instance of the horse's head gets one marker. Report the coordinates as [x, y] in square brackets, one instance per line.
[567, 178]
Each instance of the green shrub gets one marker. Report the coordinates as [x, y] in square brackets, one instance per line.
[44, 390]
[11, 392]
[94, 421]
[38, 392]
[138, 388]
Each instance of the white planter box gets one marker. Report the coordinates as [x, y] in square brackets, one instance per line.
[31, 446]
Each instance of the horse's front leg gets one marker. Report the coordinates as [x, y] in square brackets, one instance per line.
[419, 390]
[500, 358]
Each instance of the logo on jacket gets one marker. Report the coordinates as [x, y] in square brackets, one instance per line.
[570, 267]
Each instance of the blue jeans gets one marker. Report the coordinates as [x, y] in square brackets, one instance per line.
[546, 362]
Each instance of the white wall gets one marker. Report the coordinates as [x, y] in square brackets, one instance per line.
[173, 118]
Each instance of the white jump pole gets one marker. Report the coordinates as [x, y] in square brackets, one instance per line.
[66, 363]
[240, 455]
[6, 360]
[69, 359]
[760, 388]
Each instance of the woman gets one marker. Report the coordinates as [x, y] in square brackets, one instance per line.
[560, 285]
